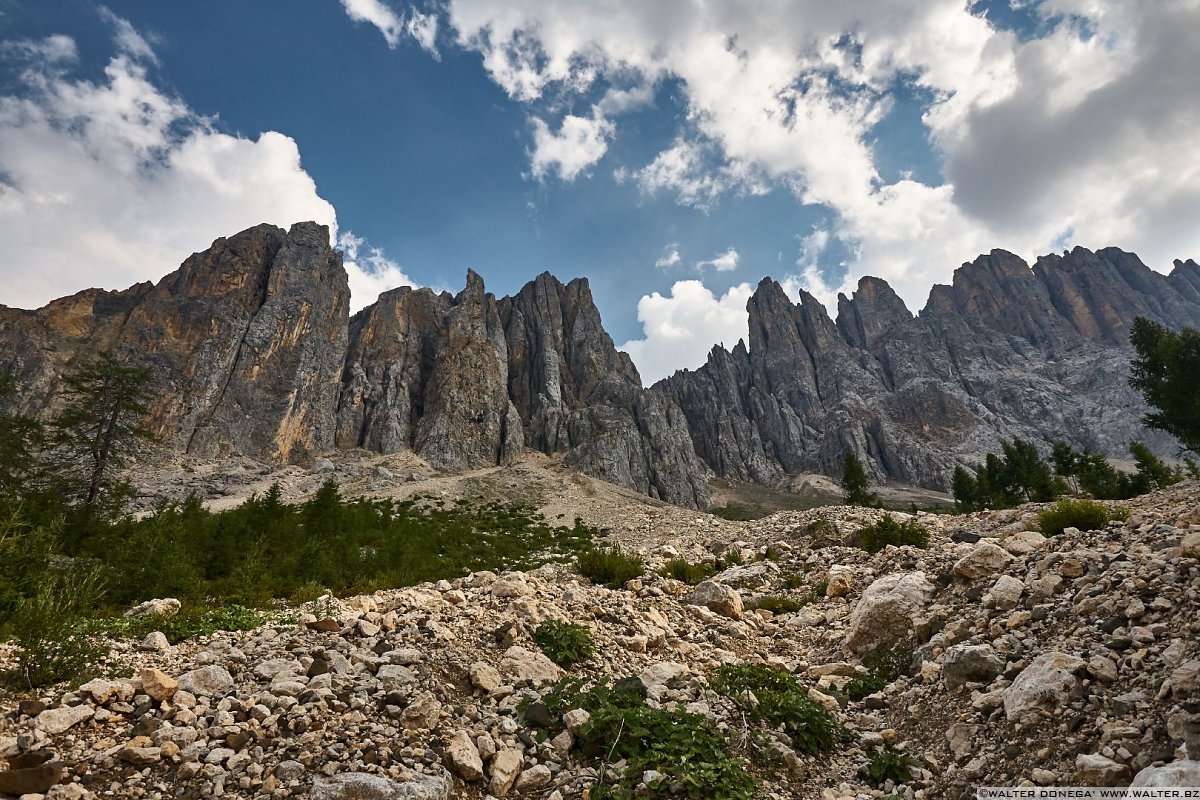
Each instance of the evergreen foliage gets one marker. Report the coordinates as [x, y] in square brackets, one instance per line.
[1166, 370]
[855, 483]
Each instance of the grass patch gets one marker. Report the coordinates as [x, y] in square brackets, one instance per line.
[776, 699]
[564, 643]
[887, 530]
[609, 566]
[1086, 515]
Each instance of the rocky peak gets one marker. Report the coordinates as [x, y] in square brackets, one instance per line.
[874, 309]
[1000, 291]
[1185, 277]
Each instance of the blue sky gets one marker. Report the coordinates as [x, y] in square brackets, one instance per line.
[671, 156]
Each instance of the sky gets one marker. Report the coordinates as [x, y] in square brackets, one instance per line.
[673, 152]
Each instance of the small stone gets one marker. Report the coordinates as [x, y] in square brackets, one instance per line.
[505, 767]
[485, 677]
[1097, 770]
[155, 642]
[158, 685]
[59, 720]
[163, 607]
[462, 757]
[965, 663]
[533, 778]
[718, 598]
[210, 680]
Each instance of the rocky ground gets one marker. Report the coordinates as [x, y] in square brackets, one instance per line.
[1069, 660]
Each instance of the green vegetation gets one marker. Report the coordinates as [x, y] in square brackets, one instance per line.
[99, 426]
[1166, 370]
[191, 622]
[693, 757]
[776, 699]
[1086, 515]
[609, 566]
[889, 765]
[564, 643]
[683, 570]
[741, 512]
[855, 483]
[1017, 476]
[887, 530]
[778, 604]
[1020, 475]
[884, 665]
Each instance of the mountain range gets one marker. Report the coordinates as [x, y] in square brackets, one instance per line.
[254, 352]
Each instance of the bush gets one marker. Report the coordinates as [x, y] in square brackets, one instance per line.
[778, 700]
[189, 623]
[682, 570]
[1086, 515]
[884, 665]
[693, 757]
[778, 604]
[609, 566]
[888, 765]
[887, 530]
[563, 643]
[51, 644]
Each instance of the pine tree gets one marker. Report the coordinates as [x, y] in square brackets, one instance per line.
[99, 427]
[1166, 371]
[855, 483]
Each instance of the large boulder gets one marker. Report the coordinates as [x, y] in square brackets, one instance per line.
[462, 757]
[529, 666]
[885, 615]
[1046, 685]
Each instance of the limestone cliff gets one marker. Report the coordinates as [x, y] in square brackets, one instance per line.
[254, 353]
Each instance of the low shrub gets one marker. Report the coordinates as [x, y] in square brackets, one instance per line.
[564, 643]
[609, 566]
[1086, 515]
[683, 570]
[778, 700]
[887, 530]
[889, 765]
[693, 757]
[884, 665]
[189, 623]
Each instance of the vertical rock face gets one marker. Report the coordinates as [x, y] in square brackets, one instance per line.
[253, 353]
[246, 341]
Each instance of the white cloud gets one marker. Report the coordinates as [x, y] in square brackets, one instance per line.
[670, 257]
[417, 25]
[370, 271]
[680, 329]
[725, 262]
[579, 143]
[1088, 127]
[108, 183]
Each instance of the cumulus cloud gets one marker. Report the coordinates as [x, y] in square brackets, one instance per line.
[670, 257]
[578, 144]
[106, 183]
[1084, 133]
[725, 262]
[681, 328]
